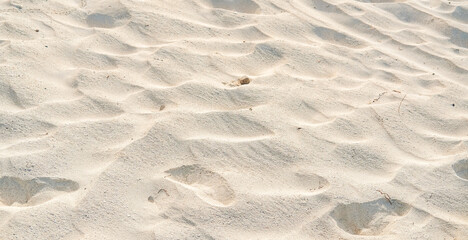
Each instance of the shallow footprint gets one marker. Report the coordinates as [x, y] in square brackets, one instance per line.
[16, 190]
[368, 218]
[461, 168]
[290, 183]
[209, 186]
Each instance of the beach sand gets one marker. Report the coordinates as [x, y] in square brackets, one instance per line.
[233, 119]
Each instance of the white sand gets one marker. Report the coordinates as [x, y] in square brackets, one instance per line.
[124, 119]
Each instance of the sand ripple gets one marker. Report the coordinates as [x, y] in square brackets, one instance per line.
[126, 119]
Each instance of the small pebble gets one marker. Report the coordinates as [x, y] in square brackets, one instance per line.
[244, 80]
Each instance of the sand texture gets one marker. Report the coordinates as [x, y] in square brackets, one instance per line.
[233, 119]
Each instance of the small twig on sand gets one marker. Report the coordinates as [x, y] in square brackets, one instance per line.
[163, 190]
[386, 196]
[378, 98]
[399, 106]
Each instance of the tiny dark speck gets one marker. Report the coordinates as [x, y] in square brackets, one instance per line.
[37, 30]
[453, 104]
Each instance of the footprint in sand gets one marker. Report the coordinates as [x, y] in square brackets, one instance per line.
[209, 186]
[461, 168]
[18, 191]
[368, 218]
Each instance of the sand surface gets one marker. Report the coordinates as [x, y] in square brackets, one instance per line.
[126, 119]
